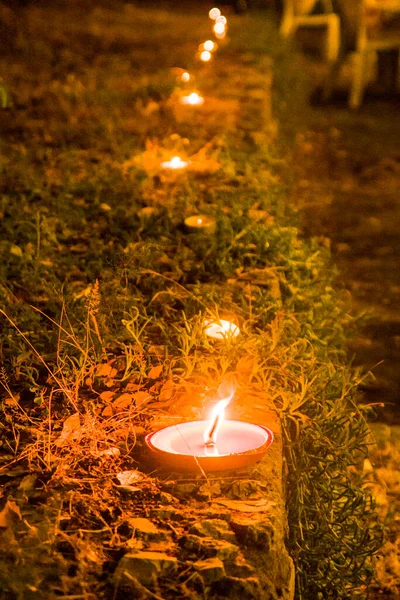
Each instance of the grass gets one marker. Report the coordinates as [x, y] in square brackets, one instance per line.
[104, 292]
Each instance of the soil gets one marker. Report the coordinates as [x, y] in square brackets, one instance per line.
[348, 189]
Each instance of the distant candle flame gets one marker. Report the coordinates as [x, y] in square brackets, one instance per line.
[209, 45]
[193, 99]
[217, 417]
[214, 13]
[221, 19]
[219, 29]
[199, 221]
[185, 77]
[221, 329]
[175, 163]
[205, 56]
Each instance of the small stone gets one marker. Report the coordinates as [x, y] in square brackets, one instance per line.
[241, 568]
[210, 548]
[243, 488]
[166, 498]
[146, 567]
[215, 528]
[253, 531]
[162, 513]
[207, 491]
[210, 569]
[145, 529]
[183, 490]
[245, 589]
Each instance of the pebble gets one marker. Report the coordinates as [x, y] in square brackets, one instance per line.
[146, 567]
[210, 569]
[215, 528]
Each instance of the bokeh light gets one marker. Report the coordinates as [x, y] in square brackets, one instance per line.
[205, 56]
[219, 29]
[214, 13]
[209, 45]
[185, 77]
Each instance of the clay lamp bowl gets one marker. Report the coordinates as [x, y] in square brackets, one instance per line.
[214, 445]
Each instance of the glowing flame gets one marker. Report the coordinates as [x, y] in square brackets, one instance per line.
[193, 99]
[214, 13]
[205, 56]
[219, 29]
[221, 329]
[199, 221]
[217, 417]
[176, 162]
[221, 19]
[209, 45]
[185, 77]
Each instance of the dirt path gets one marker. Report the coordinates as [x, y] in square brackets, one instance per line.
[349, 188]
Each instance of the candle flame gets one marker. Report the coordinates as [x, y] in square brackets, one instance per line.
[185, 77]
[217, 416]
[209, 45]
[221, 19]
[194, 98]
[199, 221]
[175, 162]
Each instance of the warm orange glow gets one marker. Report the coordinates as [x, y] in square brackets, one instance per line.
[220, 330]
[199, 221]
[217, 417]
[221, 19]
[175, 163]
[214, 13]
[185, 77]
[209, 45]
[205, 56]
[194, 99]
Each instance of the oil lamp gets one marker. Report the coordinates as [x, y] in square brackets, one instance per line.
[200, 224]
[212, 445]
[175, 163]
[193, 99]
[220, 329]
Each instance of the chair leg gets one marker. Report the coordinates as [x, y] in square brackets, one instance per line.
[333, 39]
[358, 83]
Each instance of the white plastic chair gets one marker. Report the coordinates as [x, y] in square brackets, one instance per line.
[356, 16]
[296, 14]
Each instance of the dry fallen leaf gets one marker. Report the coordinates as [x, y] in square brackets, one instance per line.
[167, 390]
[105, 370]
[129, 480]
[108, 411]
[9, 511]
[141, 397]
[155, 372]
[71, 430]
[106, 396]
[123, 401]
